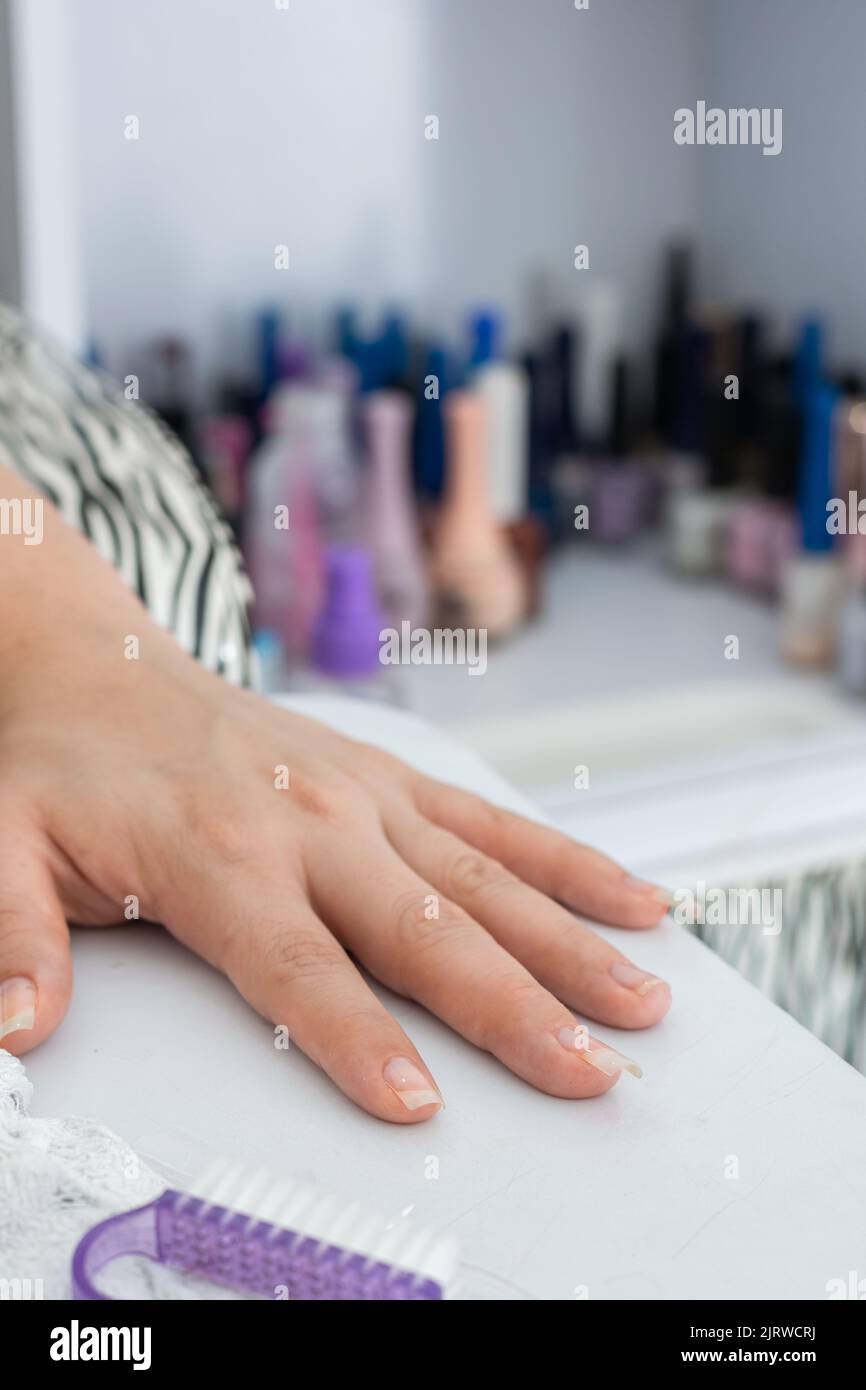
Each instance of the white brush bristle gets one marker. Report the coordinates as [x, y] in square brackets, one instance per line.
[309, 1210]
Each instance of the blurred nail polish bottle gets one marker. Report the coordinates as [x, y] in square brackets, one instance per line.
[346, 332]
[851, 490]
[542, 497]
[394, 343]
[763, 532]
[753, 370]
[575, 471]
[812, 582]
[697, 519]
[282, 528]
[561, 409]
[670, 356]
[504, 389]
[348, 633]
[676, 463]
[558, 429]
[269, 667]
[429, 444]
[761, 538]
[391, 524]
[529, 544]
[268, 335]
[485, 338]
[226, 442]
[294, 360]
[171, 392]
[808, 359]
[376, 356]
[335, 463]
[697, 522]
[620, 482]
[601, 340]
[477, 579]
[852, 623]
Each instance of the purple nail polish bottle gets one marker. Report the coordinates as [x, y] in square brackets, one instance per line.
[346, 636]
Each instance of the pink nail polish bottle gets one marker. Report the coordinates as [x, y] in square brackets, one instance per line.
[620, 484]
[226, 441]
[477, 578]
[283, 527]
[391, 527]
[761, 538]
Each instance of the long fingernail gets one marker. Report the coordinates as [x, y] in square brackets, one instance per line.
[410, 1084]
[597, 1054]
[17, 1005]
[650, 890]
[637, 980]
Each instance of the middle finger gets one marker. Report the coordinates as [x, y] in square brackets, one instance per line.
[564, 954]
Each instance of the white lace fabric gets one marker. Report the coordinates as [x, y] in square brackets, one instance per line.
[59, 1177]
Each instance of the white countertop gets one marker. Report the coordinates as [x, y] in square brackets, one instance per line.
[625, 1196]
[615, 622]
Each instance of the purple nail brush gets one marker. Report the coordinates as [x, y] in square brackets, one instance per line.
[271, 1237]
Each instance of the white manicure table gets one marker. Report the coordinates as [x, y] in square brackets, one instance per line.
[735, 1169]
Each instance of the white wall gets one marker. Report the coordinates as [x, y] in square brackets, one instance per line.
[305, 126]
[258, 127]
[46, 187]
[557, 130]
[10, 271]
[789, 232]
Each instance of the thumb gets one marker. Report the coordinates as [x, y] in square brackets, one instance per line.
[35, 962]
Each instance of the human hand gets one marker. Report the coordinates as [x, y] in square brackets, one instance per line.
[274, 847]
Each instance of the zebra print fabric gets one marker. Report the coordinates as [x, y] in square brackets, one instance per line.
[815, 968]
[116, 473]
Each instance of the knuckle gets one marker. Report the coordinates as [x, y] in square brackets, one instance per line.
[376, 762]
[14, 933]
[357, 1026]
[300, 956]
[519, 992]
[563, 866]
[322, 802]
[473, 873]
[226, 837]
[417, 933]
[21, 922]
[498, 820]
[516, 1001]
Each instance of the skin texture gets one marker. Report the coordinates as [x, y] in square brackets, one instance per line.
[154, 778]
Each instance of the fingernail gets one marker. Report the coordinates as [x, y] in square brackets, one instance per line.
[638, 980]
[650, 890]
[17, 1005]
[410, 1084]
[597, 1054]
